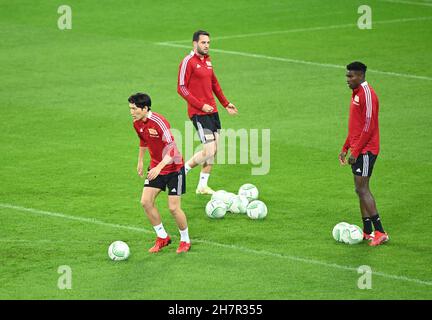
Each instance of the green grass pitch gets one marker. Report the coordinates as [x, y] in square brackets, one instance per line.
[68, 183]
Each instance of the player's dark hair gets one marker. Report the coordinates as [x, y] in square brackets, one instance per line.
[357, 66]
[141, 100]
[199, 33]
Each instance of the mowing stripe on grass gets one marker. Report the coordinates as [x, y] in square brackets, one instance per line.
[271, 33]
[216, 244]
[311, 63]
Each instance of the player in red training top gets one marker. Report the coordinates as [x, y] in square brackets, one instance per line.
[166, 170]
[363, 141]
[196, 84]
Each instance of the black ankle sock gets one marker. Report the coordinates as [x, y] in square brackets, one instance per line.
[367, 225]
[377, 223]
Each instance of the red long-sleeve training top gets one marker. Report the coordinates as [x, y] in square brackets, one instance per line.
[197, 82]
[363, 129]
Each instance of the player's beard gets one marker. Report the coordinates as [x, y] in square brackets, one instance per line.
[201, 52]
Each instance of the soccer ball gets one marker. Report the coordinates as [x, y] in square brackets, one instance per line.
[238, 204]
[352, 235]
[219, 195]
[224, 196]
[338, 229]
[118, 250]
[228, 198]
[216, 209]
[256, 210]
[249, 191]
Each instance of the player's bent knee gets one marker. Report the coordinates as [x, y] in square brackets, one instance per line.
[210, 150]
[146, 203]
[174, 209]
[213, 153]
[362, 192]
[204, 153]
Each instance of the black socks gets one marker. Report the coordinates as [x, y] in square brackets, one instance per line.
[367, 225]
[377, 223]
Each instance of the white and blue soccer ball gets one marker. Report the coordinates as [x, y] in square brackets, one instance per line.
[256, 209]
[216, 209]
[249, 191]
[118, 250]
[238, 204]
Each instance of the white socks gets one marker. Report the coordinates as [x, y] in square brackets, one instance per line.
[184, 235]
[203, 180]
[160, 231]
[203, 176]
[187, 168]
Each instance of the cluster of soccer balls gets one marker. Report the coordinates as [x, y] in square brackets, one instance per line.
[347, 233]
[244, 202]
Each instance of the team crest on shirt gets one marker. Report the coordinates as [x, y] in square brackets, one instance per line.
[356, 100]
[153, 132]
[209, 65]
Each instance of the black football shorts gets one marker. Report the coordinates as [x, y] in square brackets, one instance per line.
[175, 182]
[364, 164]
[207, 125]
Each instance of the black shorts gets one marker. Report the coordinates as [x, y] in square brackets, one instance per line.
[175, 181]
[207, 125]
[364, 164]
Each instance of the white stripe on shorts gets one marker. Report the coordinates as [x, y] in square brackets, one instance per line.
[201, 132]
[365, 165]
[179, 184]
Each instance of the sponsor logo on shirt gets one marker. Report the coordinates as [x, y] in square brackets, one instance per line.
[153, 132]
[198, 66]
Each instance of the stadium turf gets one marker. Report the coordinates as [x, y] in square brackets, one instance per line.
[68, 150]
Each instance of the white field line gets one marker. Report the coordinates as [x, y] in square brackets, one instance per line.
[409, 2]
[215, 244]
[270, 33]
[289, 60]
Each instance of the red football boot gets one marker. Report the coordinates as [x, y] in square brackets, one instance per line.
[368, 237]
[183, 247]
[159, 244]
[379, 238]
